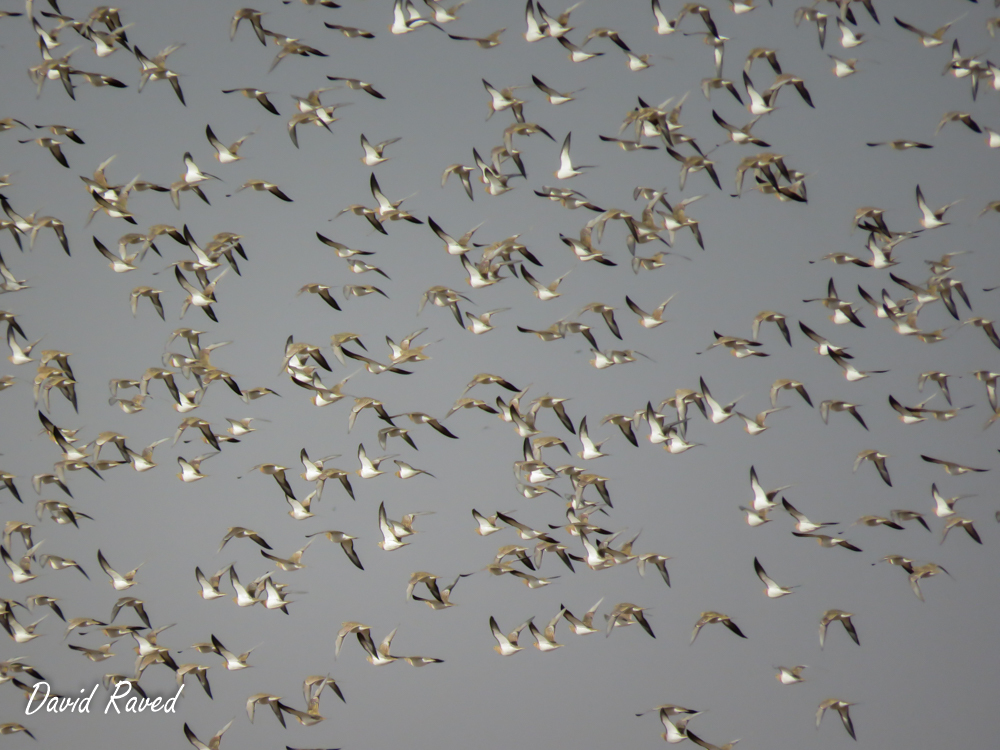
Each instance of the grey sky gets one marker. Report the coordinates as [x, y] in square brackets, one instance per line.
[914, 656]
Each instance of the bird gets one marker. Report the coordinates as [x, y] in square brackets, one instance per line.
[265, 699]
[532, 582]
[440, 595]
[566, 168]
[554, 96]
[545, 641]
[119, 581]
[19, 355]
[53, 146]
[901, 516]
[988, 329]
[191, 470]
[346, 541]
[790, 675]
[293, 47]
[762, 499]
[118, 264]
[210, 586]
[351, 32]
[463, 173]
[696, 163]
[359, 85]
[837, 615]
[813, 15]
[738, 347]
[346, 629]
[944, 506]
[225, 154]
[41, 600]
[844, 312]
[938, 377]
[153, 295]
[773, 590]
[260, 96]
[373, 154]
[844, 68]
[923, 571]
[486, 525]
[928, 40]
[213, 744]
[577, 54]
[848, 37]
[901, 145]
[278, 472]
[760, 104]
[232, 661]
[292, 562]
[312, 688]
[841, 707]
[709, 618]
[583, 626]
[390, 539]
[254, 17]
[876, 458]
[802, 524]
[964, 523]
[487, 42]
[786, 79]
[909, 414]
[710, 84]
[828, 541]
[480, 324]
[591, 449]
[824, 346]
[870, 520]
[770, 316]
[755, 517]
[542, 291]
[156, 69]
[953, 469]
[406, 19]
[507, 644]
[931, 219]
[241, 532]
[829, 405]
[262, 185]
[624, 614]
[787, 384]
[20, 571]
[649, 320]
[502, 99]
[12, 727]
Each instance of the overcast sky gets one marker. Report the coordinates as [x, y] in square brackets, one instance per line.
[760, 254]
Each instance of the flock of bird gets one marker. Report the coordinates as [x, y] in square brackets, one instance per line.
[549, 437]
